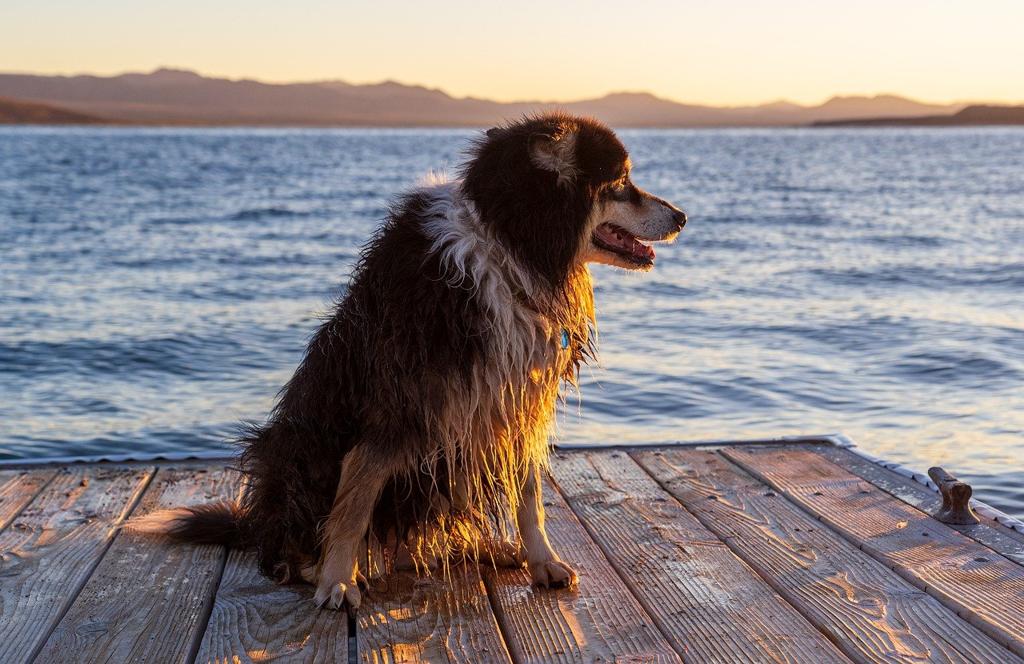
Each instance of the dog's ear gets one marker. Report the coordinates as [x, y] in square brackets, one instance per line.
[555, 151]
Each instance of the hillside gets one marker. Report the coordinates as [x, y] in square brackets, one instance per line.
[174, 96]
[974, 115]
[13, 111]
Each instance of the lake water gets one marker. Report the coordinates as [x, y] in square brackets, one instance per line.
[158, 285]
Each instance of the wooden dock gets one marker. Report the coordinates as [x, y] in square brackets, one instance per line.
[735, 553]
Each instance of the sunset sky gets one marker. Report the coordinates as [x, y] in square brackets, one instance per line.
[728, 52]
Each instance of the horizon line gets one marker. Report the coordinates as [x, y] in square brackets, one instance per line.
[395, 81]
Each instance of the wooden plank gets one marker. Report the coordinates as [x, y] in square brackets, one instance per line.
[600, 622]
[980, 584]
[18, 488]
[256, 620]
[870, 612]
[51, 548]
[405, 619]
[705, 600]
[989, 532]
[147, 600]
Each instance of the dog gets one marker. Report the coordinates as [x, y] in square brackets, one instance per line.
[419, 416]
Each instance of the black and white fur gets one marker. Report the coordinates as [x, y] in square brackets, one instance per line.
[419, 417]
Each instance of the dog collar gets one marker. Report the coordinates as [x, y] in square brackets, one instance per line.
[565, 338]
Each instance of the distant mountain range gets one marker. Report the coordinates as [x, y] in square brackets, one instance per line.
[971, 115]
[173, 96]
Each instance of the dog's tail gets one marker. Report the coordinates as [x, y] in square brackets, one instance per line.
[213, 523]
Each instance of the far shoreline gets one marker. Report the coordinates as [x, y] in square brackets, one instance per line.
[887, 123]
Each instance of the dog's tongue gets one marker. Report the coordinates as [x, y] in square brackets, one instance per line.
[624, 240]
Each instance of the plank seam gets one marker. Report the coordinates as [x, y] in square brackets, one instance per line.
[989, 522]
[1016, 526]
[993, 631]
[837, 440]
[779, 589]
[211, 601]
[95, 564]
[615, 568]
[207, 612]
[498, 617]
[14, 517]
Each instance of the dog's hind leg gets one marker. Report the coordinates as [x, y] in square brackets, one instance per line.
[546, 568]
[362, 480]
[474, 545]
[501, 553]
[487, 550]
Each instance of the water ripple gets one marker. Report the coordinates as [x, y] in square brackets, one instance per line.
[159, 285]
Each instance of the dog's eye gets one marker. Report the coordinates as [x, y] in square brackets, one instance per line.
[620, 189]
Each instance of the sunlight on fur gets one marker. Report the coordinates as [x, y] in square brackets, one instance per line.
[415, 431]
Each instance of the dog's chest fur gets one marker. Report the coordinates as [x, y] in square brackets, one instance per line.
[499, 423]
[534, 333]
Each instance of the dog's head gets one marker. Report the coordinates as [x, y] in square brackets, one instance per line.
[556, 189]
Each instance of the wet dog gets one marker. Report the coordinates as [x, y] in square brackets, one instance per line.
[420, 414]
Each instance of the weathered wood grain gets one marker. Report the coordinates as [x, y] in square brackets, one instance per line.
[981, 585]
[873, 614]
[601, 621]
[256, 620]
[405, 619]
[147, 599]
[651, 556]
[18, 488]
[989, 532]
[707, 602]
[51, 548]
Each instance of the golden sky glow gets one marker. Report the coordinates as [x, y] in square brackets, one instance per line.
[726, 52]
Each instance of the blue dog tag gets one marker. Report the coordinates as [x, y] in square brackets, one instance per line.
[565, 338]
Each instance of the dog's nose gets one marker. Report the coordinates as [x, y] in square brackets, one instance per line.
[679, 217]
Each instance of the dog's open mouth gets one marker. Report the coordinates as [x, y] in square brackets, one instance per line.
[621, 242]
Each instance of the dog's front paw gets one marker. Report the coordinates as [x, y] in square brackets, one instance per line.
[334, 595]
[553, 573]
